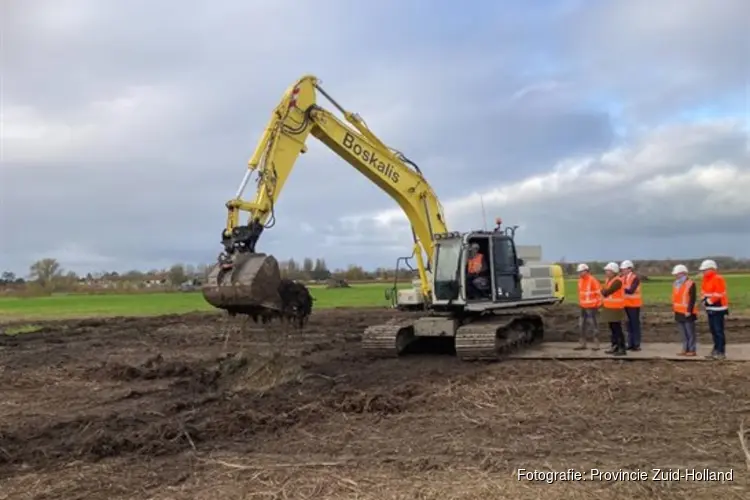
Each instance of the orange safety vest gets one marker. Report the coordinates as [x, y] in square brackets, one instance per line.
[589, 292]
[475, 264]
[617, 299]
[632, 299]
[681, 298]
[714, 288]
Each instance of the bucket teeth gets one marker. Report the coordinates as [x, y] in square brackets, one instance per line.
[252, 286]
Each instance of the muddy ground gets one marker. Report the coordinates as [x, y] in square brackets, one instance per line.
[167, 408]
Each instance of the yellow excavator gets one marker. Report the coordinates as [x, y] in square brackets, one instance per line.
[496, 308]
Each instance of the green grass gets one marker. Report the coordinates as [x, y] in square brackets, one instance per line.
[658, 290]
[19, 329]
[152, 304]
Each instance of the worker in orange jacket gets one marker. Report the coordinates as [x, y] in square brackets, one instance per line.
[590, 300]
[685, 307]
[633, 304]
[716, 302]
[477, 273]
[613, 308]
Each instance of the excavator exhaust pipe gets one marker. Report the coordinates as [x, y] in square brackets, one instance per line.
[251, 284]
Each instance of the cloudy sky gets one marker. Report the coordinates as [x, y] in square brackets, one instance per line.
[605, 129]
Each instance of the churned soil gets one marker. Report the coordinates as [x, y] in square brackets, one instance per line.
[174, 408]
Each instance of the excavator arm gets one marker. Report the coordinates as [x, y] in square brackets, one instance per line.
[292, 122]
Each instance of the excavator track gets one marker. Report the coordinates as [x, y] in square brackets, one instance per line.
[494, 339]
[387, 341]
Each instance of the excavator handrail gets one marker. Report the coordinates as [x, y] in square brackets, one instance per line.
[283, 140]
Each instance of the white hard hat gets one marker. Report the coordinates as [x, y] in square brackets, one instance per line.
[581, 268]
[678, 269]
[708, 264]
[612, 266]
[626, 264]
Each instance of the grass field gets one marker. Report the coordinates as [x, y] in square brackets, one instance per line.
[658, 290]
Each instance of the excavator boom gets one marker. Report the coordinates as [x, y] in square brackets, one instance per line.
[247, 282]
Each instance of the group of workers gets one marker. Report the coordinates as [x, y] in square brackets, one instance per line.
[619, 299]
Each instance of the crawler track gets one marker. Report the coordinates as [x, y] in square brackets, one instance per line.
[387, 341]
[496, 337]
[485, 339]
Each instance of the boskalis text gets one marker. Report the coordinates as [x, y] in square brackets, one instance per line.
[371, 158]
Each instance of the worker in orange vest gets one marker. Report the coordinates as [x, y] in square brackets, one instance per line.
[477, 273]
[590, 300]
[613, 308]
[716, 302]
[685, 307]
[633, 304]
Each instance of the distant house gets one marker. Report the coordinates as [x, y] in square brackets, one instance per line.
[155, 283]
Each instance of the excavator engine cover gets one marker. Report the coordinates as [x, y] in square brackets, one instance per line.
[249, 286]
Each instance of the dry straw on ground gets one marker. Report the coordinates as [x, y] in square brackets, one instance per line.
[162, 409]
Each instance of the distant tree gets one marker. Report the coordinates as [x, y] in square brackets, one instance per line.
[8, 277]
[177, 275]
[133, 275]
[307, 266]
[320, 271]
[202, 270]
[292, 266]
[354, 272]
[45, 272]
[69, 281]
[189, 270]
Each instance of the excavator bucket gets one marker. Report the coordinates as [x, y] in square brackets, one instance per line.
[250, 285]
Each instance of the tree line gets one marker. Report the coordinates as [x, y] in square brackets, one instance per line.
[654, 267]
[48, 275]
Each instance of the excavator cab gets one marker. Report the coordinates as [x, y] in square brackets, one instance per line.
[505, 278]
[497, 278]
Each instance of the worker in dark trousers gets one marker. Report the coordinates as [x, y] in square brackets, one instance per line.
[716, 301]
[685, 307]
[589, 300]
[633, 304]
[613, 308]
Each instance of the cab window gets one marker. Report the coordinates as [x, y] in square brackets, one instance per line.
[504, 255]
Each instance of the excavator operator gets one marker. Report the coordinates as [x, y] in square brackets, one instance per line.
[476, 273]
